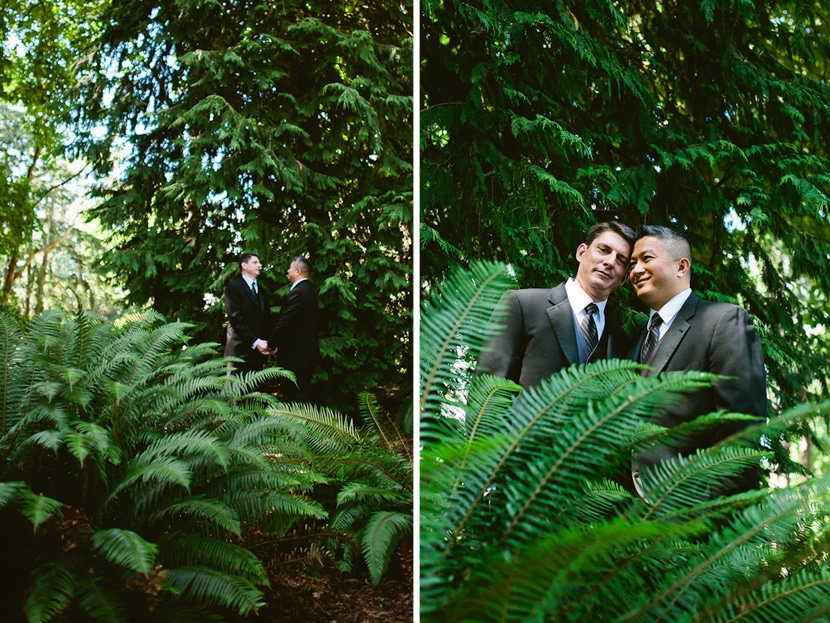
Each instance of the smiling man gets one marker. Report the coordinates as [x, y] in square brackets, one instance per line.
[685, 332]
[548, 329]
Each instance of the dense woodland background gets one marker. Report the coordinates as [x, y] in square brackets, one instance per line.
[190, 132]
[143, 147]
[542, 118]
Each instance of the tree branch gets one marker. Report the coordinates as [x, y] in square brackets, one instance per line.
[48, 247]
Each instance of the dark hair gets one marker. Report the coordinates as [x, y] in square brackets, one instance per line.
[245, 258]
[303, 264]
[615, 226]
[675, 242]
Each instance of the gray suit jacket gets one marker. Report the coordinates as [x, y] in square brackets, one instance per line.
[709, 337]
[539, 338]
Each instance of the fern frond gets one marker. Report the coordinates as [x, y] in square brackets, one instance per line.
[202, 512]
[125, 548]
[9, 490]
[380, 422]
[793, 598]
[319, 426]
[100, 603]
[170, 472]
[216, 587]
[52, 592]
[188, 549]
[10, 393]
[776, 521]
[679, 485]
[458, 312]
[380, 537]
[38, 508]
[358, 491]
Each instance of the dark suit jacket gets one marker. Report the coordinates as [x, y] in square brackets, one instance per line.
[710, 337]
[295, 334]
[248, 320]
[539, 338]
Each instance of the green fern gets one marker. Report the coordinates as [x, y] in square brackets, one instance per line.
[204, 584]
[522, 519]
[125, 549]
[136, 461]
[372, 467]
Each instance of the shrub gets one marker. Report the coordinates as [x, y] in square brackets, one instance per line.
[370, 469]
[130, 466]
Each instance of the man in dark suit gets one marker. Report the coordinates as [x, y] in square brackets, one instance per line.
[548, 329]
[688, 333]
[294, 337]
[249, 315]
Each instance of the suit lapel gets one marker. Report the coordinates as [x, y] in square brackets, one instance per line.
[244, 285]
[674, 336]
[562, 322]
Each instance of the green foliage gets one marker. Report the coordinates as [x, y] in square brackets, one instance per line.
[130, 465]
[541, 118]
[279, 128]
[370, 467]
[46, 259]
[522, 517]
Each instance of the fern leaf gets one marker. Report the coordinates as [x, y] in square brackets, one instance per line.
[460, 310]
[100, 603]
[8, 491]
[38, 508]
[212, 586]
[53, 590]
[202, 508]
[383, 531]
[125, 548]
[188, 549]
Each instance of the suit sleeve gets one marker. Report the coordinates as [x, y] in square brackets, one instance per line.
[290, 315]
[736, 353]
[233, 307]
[503, 351]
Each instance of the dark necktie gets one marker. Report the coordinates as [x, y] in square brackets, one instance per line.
[253, 287]
[653, 337]
[589, 327]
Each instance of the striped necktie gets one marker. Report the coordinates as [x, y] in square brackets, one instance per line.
[589, 327]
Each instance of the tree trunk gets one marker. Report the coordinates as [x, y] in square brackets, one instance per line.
[8, 279]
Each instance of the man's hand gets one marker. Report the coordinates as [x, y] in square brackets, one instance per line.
[262, 347]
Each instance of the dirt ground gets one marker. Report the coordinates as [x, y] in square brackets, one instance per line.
[310, 590]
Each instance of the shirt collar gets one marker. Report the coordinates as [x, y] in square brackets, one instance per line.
[670, 310]
[248, 280]
[579, 298]
[296, 282]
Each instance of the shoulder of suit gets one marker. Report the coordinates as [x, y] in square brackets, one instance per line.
[534, 293]
[714, 308]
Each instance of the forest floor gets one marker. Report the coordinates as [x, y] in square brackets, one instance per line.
[311, 589]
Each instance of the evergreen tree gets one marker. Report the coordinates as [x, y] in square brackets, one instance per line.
[282, 129]
[541, 118]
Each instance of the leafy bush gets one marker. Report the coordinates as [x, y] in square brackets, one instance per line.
[130, 466]
[521, 519]
[370, 468]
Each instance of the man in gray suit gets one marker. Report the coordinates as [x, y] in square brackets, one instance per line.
[548, 329]
[685, 332]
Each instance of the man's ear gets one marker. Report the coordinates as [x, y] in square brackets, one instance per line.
[683, 266]
[580, 251]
